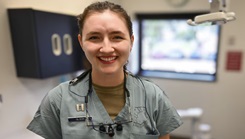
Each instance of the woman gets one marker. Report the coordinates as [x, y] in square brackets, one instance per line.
[105, 101]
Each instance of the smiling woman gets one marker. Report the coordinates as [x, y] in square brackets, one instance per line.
[106, 100]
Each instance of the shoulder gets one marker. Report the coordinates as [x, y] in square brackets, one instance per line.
[54, 96]
[146, 83]
[58, 90]
[147, 86]
[63, 90]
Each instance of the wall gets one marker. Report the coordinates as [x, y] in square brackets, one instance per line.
[222, 101]
[21, 96]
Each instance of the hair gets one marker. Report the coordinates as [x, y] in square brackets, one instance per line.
[101, 7]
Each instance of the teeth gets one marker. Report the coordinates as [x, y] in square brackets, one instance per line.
[107, 58]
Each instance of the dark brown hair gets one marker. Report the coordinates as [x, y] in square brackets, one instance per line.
[101, 7]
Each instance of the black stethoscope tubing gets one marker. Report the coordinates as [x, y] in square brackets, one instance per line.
[80, 77]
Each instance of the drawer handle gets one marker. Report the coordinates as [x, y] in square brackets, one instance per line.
[56, 44]
[67, 40]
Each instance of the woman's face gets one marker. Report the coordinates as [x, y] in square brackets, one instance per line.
[106, 42]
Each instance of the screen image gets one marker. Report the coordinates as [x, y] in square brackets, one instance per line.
[171, 48]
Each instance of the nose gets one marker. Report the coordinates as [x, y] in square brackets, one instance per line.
[107, 46]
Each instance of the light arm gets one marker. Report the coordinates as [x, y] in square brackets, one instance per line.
[215, 16]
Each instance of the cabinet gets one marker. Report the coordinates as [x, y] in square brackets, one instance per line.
[44, 44]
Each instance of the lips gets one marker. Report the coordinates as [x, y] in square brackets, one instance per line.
[108, 59]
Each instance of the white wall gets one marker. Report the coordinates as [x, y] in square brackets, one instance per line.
[222, 101]
[21, 97]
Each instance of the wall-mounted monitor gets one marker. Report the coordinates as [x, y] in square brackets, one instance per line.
[170, 48]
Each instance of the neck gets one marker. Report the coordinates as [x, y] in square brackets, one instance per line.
[108, 79]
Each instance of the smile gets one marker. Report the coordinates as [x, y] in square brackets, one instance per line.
[107, 59]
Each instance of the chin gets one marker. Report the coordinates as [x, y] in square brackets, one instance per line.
[110, 70]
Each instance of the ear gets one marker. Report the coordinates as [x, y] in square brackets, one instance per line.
[132, 42]
[79, 37]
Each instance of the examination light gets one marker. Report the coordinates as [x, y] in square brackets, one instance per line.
[215, 17]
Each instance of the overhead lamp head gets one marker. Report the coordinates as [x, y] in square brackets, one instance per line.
[215, 17]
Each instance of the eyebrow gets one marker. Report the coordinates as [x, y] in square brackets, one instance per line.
[96, 32]
[117, 32]
[93, 33]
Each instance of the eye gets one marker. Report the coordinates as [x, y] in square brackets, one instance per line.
[93, 38]
[117, 38]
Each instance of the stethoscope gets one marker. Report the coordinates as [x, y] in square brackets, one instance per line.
[88, 118]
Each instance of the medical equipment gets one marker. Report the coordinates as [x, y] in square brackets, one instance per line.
[89, 119]
[194, 114]
[216, 16]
